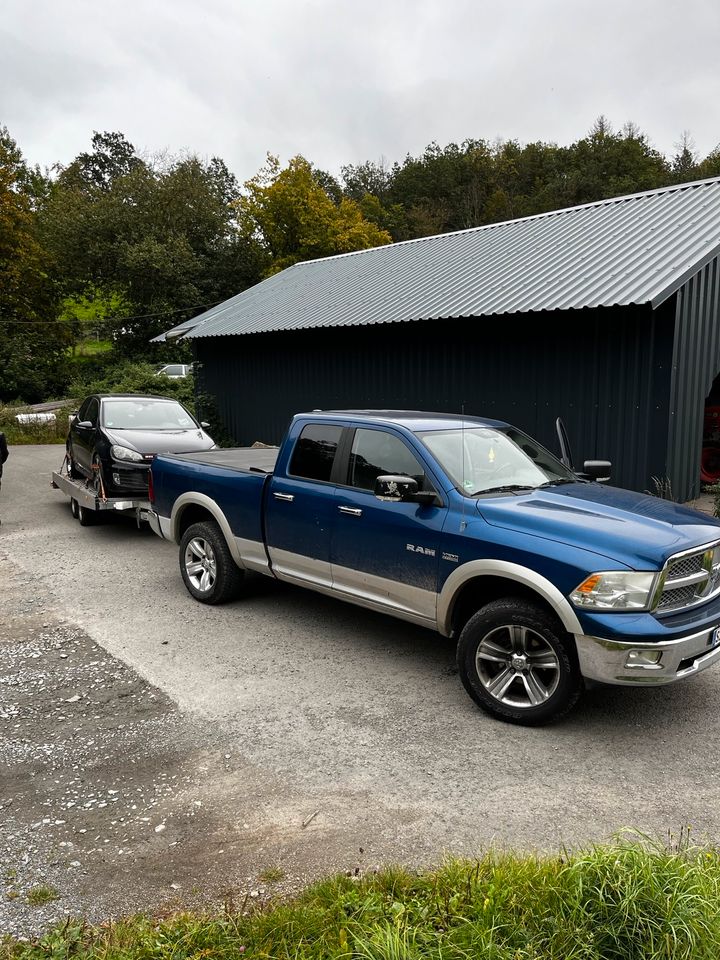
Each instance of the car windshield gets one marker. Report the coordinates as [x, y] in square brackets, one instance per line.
[486, 459]
[146, 415]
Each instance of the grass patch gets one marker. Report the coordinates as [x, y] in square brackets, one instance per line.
[625, 901]
[271, 875]
[18, 434]
[37, 896]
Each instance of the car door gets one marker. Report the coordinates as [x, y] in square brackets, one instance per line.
[83, 437]
[300, 508]
[383, 552]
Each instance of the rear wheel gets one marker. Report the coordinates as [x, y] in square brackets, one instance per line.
[74, 508]
[86, 517]
[208, 569]
[516, 663]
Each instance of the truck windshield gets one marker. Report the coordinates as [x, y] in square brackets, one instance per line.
[486, 459]
[146, 415]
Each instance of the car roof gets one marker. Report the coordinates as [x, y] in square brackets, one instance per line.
[415, 420]
[132, 396]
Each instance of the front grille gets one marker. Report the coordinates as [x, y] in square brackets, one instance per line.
[701, 568]
[685, 566]
[675, 599]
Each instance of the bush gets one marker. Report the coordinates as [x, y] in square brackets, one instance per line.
[108, 375]
[43, 432]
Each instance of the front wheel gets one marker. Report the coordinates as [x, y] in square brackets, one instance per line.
[515, 662]
[208, 569]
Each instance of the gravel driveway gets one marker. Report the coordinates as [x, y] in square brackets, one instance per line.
[229, 728]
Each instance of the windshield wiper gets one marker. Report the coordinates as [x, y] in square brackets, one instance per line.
[556, 483]
[508, 488]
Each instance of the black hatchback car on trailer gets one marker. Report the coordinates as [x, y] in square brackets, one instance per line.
[113, 439]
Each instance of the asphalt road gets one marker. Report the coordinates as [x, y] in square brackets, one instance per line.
[358, 716]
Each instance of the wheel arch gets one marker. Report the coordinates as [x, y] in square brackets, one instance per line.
[190, 508]
[486, 580]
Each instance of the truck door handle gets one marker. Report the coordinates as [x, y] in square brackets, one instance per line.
[351, 511]
[284, 496]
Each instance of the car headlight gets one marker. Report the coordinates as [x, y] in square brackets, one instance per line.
[125, 453]
[615, 590]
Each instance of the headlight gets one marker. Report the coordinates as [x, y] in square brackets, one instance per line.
[615, 590]
[125, 453]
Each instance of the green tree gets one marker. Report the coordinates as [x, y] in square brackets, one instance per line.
[292, 218]
[32, 341]
[158, 240]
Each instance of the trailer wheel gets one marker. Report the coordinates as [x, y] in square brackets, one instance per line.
[208, 569]
[515, 661]
[86, 517]
[74, 508]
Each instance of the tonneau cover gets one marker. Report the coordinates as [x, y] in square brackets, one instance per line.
[235, 458]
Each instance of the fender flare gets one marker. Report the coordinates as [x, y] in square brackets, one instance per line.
[202, 500]
[510, 571]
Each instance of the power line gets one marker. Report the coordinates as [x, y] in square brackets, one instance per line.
[137, 316]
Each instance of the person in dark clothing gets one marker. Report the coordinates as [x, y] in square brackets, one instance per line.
[4, 453]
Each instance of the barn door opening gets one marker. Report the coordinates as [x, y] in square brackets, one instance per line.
[710, 457]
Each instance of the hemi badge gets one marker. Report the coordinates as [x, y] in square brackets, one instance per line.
[452, 557]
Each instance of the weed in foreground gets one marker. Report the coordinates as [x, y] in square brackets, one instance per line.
[632, 899]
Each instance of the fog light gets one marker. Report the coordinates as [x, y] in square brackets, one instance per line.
[644, 658]
[116, 479]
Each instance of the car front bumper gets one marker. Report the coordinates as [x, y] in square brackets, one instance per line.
[639, 664]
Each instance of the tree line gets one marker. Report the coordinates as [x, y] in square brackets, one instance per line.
[124, 246]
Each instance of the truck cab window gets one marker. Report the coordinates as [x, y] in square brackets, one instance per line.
[315, 451]
[376, 453]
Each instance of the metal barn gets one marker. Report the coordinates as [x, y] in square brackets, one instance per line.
[607, 315]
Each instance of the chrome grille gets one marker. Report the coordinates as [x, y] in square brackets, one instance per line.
[690, 579]
[685, 566]
[674, 599]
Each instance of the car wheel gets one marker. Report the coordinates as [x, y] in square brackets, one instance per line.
[98, 478]
[72, 470]
[516, 663]
[208, 569]
[86, 517]
[74, 508]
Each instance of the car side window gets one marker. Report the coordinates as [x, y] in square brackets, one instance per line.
[376, 453]
[82, 412]
[92, 412]
[314, 452]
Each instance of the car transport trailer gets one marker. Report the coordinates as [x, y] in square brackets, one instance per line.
[86, 503]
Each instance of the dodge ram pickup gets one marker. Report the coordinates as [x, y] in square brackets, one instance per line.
[466, 526]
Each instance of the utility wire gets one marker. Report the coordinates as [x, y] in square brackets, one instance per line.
[137, 316]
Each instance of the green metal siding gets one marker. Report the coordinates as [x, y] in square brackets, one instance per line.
[606, 371]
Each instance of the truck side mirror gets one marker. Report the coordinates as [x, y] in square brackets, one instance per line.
[597, 470]
[399, 488]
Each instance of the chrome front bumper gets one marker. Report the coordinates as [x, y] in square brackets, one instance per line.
[609, 661]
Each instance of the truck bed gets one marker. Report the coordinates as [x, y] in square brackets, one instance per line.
[243, 459]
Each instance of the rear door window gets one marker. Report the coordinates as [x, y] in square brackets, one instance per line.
[315, 451]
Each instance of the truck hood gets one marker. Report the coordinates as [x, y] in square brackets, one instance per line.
[161, 441]
[634, 529]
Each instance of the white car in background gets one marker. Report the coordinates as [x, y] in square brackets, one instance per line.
[175, 370]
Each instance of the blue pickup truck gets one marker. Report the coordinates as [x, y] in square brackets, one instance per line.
[466, 526]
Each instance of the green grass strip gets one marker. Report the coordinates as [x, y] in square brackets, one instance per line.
[629, 900]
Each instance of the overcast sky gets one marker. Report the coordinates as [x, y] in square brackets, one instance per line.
[343, 82]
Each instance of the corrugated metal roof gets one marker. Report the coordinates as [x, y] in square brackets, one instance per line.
[627, 250]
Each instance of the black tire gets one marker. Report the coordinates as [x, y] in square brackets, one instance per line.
[98, 477]
[72, 470]
[86, 517]
[74, 508]
[208, 569]
[518, 664]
